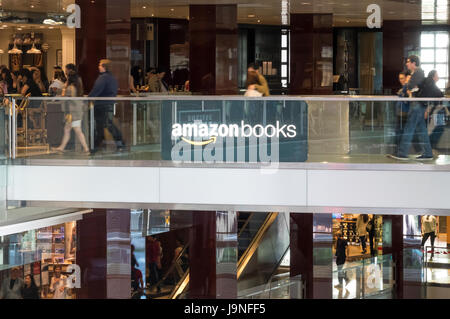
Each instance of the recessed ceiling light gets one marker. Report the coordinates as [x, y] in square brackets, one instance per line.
[251, 16]
[144, 7]
[259, 21]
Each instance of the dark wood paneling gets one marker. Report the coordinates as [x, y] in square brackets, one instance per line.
[202, 256]
[310, 33]
[396, 249]
[399, 37]
[91, 40]
[213, 42]
[91, 255]
[301, 241]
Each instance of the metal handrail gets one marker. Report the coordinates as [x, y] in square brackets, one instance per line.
[246, 224]
[362, 98]
[245, 258]
[173, 265]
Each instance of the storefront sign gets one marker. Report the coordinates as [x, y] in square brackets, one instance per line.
[74, 280]
[74, 20]
[211, 131]
[374, 20]
[215, 131]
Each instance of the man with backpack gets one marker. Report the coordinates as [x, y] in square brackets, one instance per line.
[416, 116]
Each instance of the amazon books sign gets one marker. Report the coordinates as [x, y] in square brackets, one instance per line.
[265, 132]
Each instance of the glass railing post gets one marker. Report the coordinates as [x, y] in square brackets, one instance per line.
[13, 129]
[92, 124]
[134, 124]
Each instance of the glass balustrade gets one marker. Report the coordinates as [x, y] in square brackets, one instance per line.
[230, 130]
[370, 278]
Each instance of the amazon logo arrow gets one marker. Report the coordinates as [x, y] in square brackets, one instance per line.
[202, 143]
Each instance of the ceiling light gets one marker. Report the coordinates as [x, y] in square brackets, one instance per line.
[251, 16]
[144, 7]
[33, 50]
[15, 50]
[172, 9]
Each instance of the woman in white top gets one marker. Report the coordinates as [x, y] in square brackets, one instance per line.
[361, 229]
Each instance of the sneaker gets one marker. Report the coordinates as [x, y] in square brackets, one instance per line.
[424, 158]
[338, 286]
[398, 157]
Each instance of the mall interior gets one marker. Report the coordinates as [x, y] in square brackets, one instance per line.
[184, 185]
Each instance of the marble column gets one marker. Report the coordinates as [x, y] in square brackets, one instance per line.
[311, 60]
[213, 256]
[213, 39]
[105, 33]
[400, 38]
[103, 254]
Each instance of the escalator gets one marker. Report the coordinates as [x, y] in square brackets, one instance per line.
[263, 241]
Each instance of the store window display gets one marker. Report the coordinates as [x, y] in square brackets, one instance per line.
[347, 225]
[44, 267]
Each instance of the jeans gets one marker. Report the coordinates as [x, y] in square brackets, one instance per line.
[371, 241]
[154, 274]
[363, 242]
[436, 135]
[104, 119]
[415, 125]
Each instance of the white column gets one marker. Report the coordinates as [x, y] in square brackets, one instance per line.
[68, 46]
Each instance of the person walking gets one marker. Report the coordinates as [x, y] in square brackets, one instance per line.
[361, 229]
[416, 116]
[371, 231]
[262, 87]
[436, 111]
[342, 251]
[154, 262]
[74, 115]
[429, 229]
[105, 86]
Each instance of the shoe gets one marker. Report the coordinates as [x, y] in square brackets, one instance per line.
[398, 157]
[58, 150]
[338, 286]
[424, 158]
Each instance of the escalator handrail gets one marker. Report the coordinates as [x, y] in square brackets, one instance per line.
[271, 217]
[245, 224]
[181, 285]
[272, 275]
[173, 265]
[246, 256]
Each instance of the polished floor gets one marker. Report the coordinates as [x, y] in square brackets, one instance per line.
[153, 153]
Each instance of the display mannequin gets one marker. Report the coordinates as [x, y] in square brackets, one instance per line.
[429, 227]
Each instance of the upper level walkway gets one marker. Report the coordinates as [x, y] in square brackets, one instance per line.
[283, 153]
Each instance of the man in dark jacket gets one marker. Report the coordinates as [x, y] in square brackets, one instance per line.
[105, 86]
[416, 116]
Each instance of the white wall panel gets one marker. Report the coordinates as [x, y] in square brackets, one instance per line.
[355, 188]
[233, 186]
[84, 184]
[295, 189]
